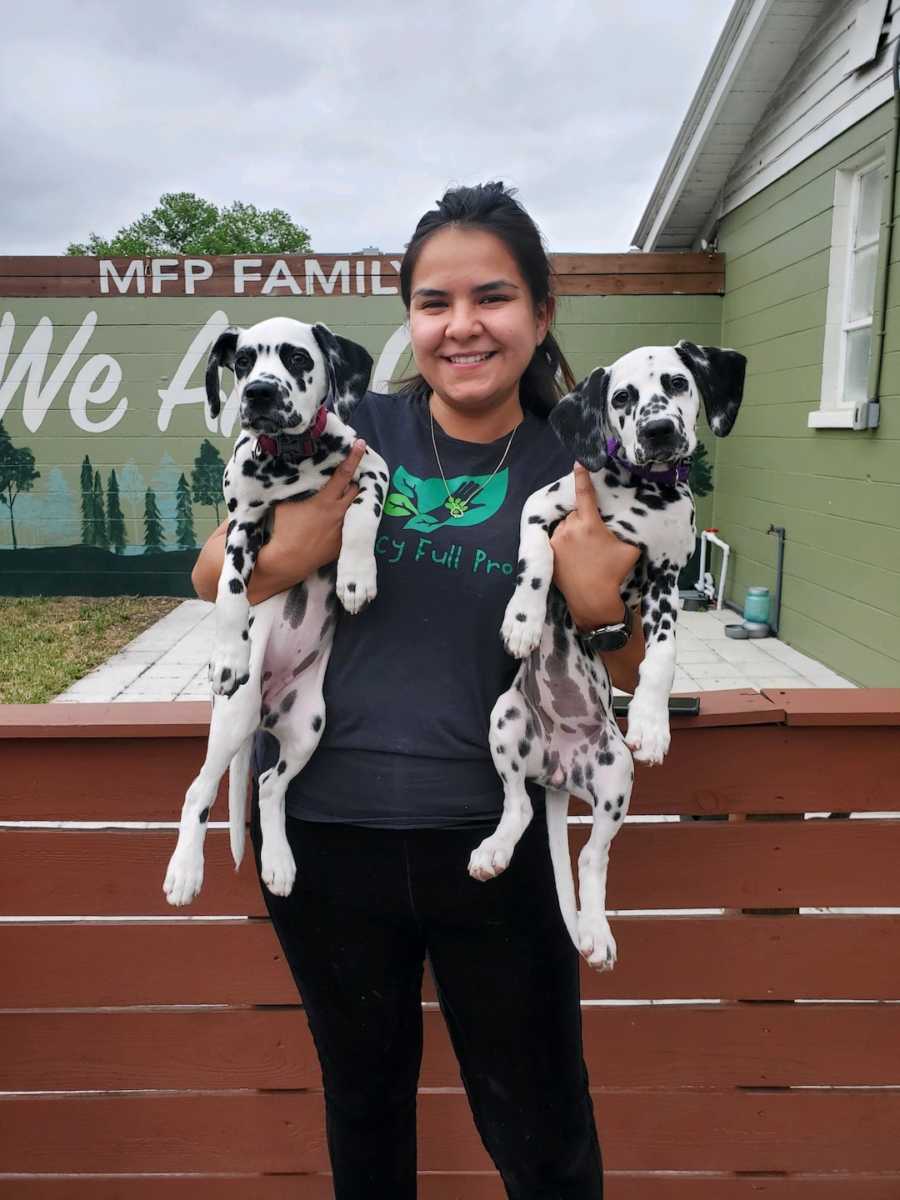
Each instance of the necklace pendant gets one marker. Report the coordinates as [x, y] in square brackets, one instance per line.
[456, 507]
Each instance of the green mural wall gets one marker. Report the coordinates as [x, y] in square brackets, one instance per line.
[106, 394]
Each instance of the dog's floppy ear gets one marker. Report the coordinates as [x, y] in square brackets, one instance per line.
[579, 420]
[719, 375]
[221, 355]
[349, 367]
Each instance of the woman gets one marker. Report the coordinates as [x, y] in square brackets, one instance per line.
[384, 816]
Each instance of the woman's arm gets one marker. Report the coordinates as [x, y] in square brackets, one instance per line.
[306, 534]
[590, 566]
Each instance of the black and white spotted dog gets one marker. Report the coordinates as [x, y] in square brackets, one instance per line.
[297, 386]
[633, 425]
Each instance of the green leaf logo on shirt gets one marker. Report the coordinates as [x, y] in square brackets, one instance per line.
[425, 504]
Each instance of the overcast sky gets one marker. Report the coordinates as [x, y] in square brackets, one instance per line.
[352, 115]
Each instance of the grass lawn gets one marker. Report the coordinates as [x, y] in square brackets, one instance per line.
[46, 643]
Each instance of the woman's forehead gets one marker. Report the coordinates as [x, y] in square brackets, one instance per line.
[462, 259]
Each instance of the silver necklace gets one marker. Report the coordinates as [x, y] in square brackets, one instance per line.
[457, 506]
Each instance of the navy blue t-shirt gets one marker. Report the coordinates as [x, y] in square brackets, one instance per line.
[413, 678]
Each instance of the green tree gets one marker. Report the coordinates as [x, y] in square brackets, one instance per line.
[17, 475]
[206, 477]
[101, 537]
[700, 477]
[184, 223]
[153, 527]
[87, 503]
[115, 519]
[184, 516]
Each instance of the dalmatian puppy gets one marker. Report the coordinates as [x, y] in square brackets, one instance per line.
[633, 425]
[297, 385]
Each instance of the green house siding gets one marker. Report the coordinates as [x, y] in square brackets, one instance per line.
[836, 492]
[147, 339]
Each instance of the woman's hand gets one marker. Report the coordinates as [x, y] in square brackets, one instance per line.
[590, 562]
[316, 524]
[306, 534]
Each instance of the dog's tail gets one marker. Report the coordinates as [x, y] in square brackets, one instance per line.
[558, 837]
[238, 783]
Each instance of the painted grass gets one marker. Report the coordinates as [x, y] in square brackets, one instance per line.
[47, 643]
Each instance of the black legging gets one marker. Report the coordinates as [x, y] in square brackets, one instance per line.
[366, 908]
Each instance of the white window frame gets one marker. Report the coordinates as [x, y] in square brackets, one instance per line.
[834, 411]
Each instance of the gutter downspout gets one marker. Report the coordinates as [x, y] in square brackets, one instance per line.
[878, 348]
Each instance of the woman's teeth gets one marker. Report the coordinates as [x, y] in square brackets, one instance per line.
[470, 358]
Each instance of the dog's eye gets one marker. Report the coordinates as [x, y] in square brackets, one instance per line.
[243, 360]
[678, 383]
[620, 398]
[300, 360]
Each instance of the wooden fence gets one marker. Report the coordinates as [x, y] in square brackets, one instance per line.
[168, 1057]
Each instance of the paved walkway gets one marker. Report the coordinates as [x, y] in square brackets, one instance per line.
[168, 661]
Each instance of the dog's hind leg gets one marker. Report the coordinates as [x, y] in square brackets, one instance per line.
[234, 719]
[298, 730]
[607, 787]
[516, 756]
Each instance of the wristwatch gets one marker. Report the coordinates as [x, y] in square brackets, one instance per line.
[609, 637]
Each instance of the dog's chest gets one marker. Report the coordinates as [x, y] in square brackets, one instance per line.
[658, 519]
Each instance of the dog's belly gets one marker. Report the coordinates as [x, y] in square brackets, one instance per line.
[569, 699]
[300, 635]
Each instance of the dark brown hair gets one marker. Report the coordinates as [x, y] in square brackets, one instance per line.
[492, 208]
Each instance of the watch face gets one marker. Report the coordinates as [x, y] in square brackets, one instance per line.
[608, 639]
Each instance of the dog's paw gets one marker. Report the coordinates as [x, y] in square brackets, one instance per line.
[229, 669]
[596, 942]
[184, 877]
[490, 859]
[648, 734]
[277, 867]
[522, 625]
[357, 583]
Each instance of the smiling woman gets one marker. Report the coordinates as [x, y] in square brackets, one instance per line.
[384, 816]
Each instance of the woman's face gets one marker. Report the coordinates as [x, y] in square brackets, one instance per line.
[472, 321]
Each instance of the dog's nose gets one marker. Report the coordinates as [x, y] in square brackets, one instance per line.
[658, 433]
[260, 393]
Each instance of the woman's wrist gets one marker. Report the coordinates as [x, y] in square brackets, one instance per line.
[606, 608]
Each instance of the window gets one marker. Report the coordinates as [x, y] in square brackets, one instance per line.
[856, 227]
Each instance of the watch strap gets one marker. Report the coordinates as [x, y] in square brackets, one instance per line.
[610, 637]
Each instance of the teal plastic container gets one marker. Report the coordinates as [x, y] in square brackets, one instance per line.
[756, 605]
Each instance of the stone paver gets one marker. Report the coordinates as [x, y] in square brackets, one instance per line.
[168, 661]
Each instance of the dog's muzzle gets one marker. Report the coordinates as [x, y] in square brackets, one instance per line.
[659, 440]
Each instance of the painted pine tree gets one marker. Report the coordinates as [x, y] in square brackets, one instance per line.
[115, 518]
[101, 537]
[17, 475]
[206, 477]
[153, 529]
[87, 503]
[184, 531]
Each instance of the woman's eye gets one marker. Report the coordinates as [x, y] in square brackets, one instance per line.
[493, 299]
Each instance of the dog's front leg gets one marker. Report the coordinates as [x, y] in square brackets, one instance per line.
[356, 572]
[524, 619]
[648, 711]
[231, 659]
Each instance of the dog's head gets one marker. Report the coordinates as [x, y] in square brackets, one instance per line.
[285, 371]
[649, 400]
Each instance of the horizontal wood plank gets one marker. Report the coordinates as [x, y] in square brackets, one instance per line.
[618, 1185]
[283, 1132]
[97, 964]
[746, 864]
[640, 1046]
[837, 706]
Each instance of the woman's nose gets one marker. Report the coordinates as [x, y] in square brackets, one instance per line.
[463, 321]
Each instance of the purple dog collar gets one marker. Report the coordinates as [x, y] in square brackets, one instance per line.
[675, 474]
[268, 445]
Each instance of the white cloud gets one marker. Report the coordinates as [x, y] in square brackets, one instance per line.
[354, 119]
